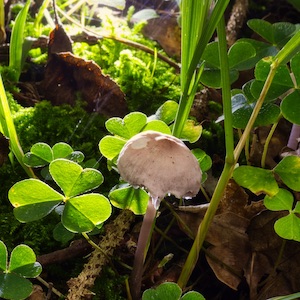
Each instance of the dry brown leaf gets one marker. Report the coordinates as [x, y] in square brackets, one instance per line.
[37, 293]
[68, 78]
[229, 250]
[230, 245]
[166, 31]
[4, 149]
[275, 264]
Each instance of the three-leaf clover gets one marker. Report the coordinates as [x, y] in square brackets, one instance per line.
[13, 273]
[33, 199]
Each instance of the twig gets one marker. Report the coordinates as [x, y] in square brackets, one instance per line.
[46, 284]
[123, 41]
[79, 286]
[236, 21]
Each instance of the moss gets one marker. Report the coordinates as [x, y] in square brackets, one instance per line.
[52, 124]
[110, 285]
[146, 81]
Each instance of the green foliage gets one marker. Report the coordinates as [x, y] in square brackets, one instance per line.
[170, 291]
[13, 273]
[288, 170]
[204, 161]
[290, 103]
[198, 24]
[16, 54]
[287, 297]
[42, 154]
[243, 102]
[277, 34]
[287, 227]
[133, 123]
[259, 181]
[34, 199]
[146, 80]
[240, 58]
[124, 129]
[72, 125]
[143, 80]
[149, 84]
[125, 196]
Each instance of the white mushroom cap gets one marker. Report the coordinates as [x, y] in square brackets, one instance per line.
[162, 164]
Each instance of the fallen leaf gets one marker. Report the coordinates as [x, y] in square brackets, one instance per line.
[4, 149]
[166, 31]
[69, 78]
[37, 293]
[229, 250]
[275, 263]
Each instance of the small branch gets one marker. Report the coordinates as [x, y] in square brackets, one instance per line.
[236, 21]
[50, 287]
[124, 41]
[79, 286]
[77, 248]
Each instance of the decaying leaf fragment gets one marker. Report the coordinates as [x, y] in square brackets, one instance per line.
[166, 32]
[69, 77]
[244, 246]
[4, 149]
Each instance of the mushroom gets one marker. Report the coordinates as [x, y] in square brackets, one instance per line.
[162, 164]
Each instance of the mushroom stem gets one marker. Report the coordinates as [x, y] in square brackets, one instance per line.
[294, 135]
[140, 253]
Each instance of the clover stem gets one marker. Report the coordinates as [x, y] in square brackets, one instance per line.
[141, 250]
[267, 142]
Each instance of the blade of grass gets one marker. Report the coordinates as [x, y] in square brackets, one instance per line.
[192, 52]
[2, 22]
[38, 19]
[229, 161]
[16, 43]
[8, 129]
[282, 56]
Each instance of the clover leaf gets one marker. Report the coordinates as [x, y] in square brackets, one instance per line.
[13, 274]
[170, 291]
[287, 227]
[34, 199]
[125, 196]
[41, 154]
[257, 180]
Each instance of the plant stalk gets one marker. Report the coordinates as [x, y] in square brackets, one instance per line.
[135, 281]
[9, 130]
[259, 103]
[229, 162]
[267, 142]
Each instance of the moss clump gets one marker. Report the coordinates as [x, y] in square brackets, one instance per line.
[52, 124]
[109, 286]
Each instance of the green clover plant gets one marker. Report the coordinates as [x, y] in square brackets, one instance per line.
[259, 181]
[33, 199]
[170, 291]
[41, 154]
[15, 271]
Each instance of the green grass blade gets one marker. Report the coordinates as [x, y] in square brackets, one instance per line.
[229, 165]
[16, 42]
[198, 26]
[289, 50]
[8, 129]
